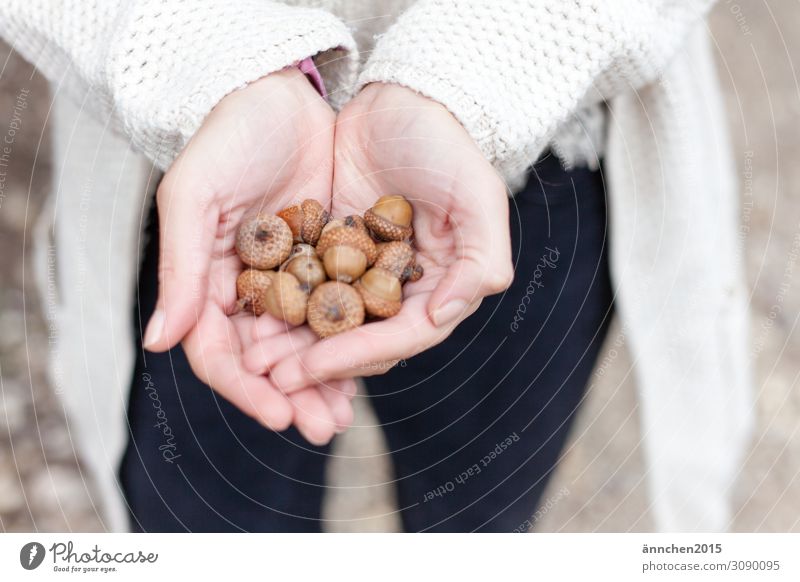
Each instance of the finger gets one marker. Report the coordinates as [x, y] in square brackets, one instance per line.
[262, 355]
[215, 360]
[348, 387]
[187, 225]
[374, 368]
[265, 326]
[483, 263]
[402, 336]
[312, 416]
[338, 403]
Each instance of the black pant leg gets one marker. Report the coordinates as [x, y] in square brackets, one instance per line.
[194, 462]
[476, 424]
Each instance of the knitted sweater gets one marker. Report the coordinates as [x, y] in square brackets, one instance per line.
[520, 76]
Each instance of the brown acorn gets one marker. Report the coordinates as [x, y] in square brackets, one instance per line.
[286, 298]
[333, 308]
[354, 220]
[381, 291]
[263, 241]
[346, 251]
[301, 249]
[251, 289]
[400, 259]
[390, 218]
[306, 220]
[304, 264]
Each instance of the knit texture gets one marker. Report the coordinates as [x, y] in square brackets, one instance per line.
[156, 68]
[515, 72]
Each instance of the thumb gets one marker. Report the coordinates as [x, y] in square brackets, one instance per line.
[482, 242]
[187, 224]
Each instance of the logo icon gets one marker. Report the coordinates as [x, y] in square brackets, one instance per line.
[31, 555]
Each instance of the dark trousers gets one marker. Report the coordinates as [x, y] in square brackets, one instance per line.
[475, 425]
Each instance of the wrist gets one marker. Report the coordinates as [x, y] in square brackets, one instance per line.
[288, 87]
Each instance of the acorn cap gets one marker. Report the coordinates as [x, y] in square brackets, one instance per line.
[415, 275]
[251, 290]
[263, 241]
[306, 220]
[332, 223]
[301, 249]
[286, 299]
[381, 291]
[348, 234]
[315, 217]
[400, 259]
[390, 218]
[353, 220]
[334, 307]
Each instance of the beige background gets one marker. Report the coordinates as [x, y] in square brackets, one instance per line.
[600, 483]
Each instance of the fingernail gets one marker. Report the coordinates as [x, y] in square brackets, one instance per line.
[448, 312]
[154, 329]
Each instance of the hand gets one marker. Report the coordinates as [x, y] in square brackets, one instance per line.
[390, 140]
[267, 145]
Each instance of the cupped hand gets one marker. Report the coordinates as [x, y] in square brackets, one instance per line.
[390, 140]
[265, 146]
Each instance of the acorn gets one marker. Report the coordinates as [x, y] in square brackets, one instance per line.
[301, 249]
[286, 298]
[304, 264]
[390, 218]
[400, 259]
[306, 220]
[354, 220]
[263, 241]
[381, 291]
[334, 307]
[251, 289]
[346, 251]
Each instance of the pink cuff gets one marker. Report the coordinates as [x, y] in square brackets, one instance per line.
[309, 69]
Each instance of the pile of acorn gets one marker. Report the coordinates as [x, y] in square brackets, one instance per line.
[332, 273]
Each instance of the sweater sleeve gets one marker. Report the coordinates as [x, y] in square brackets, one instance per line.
[512, 71]
[155, 68]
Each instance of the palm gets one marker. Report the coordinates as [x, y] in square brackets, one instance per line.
[392, 141]
[264, 147]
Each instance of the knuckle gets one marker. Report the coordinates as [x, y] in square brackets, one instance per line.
[280, 420]
[499, 281]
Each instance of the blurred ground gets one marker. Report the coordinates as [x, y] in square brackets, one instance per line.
[599, 485]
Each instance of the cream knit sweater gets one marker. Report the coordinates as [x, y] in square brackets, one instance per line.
[520, 76]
